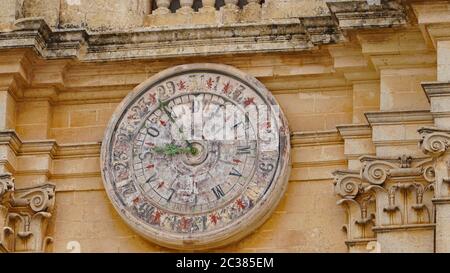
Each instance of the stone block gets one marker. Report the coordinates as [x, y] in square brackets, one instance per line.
[406, 241]
[83, 118]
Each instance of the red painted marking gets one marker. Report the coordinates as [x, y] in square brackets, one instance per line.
[149, 144]
[227, 87]
[152, 98]
[136, 200]
[150, 166]
[184, 223]
[210, 83]
[237, 161]
[181, 85]
[163, 123]
[157, 216]
[249, 101]
[214, 218]
[161, 185]
[240, 204]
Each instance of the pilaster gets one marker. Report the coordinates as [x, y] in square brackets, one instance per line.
[389, 200]
[24, 216]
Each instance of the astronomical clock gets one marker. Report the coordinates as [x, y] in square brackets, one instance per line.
[196, 157]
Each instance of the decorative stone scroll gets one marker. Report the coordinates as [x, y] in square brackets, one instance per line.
[436, 142]
[386, 193]
[24, 216]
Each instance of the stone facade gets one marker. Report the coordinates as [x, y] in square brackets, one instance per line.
[364, 86]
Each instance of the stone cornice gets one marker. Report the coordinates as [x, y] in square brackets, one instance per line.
[436, 89]
[381, 229]
[363, 14]
[276, 35]
[354, 131]
[281, 36]
[58, 151]
[318, 138]
[48, 147]
[398, 117]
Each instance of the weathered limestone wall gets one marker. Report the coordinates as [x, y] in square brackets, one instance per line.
[10, 11]
[47, 9]
[101, 15]
[361, 97]
[71, 102]
[276, 8]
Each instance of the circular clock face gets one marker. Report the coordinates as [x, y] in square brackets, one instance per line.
[196, 157]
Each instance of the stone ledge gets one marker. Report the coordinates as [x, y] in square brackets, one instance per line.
[382, 229]
[354, 131]
[302, 139]
[363, 14]
[49, 147]
[442, 200]
[57, 151]
[436, 89]
[398, 117]
[277, 35]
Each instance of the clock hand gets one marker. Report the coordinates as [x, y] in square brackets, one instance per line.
[162, 106]
[172, 149]
[192, 149]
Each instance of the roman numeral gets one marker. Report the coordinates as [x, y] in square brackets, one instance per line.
[151, 179]
[171, 194]
[153, 131]
[218, 192]
[243, 150]
[235, 172]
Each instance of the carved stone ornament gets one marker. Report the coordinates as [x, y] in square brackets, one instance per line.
[386, 193]
[196, 157]
[24, 216]
[434, 141]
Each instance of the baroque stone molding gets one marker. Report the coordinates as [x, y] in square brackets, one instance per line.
[434, 142]
[48, 147]
[396, 117]
[302, 139]
[24, 216]
[275, 35]
[386, 194]
[367, 13]
[436, 89]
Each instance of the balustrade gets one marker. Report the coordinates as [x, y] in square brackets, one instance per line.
[192, 12]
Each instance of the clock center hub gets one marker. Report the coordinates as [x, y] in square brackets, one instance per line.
[198, 156]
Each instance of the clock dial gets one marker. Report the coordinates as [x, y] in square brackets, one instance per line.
[196, 157]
